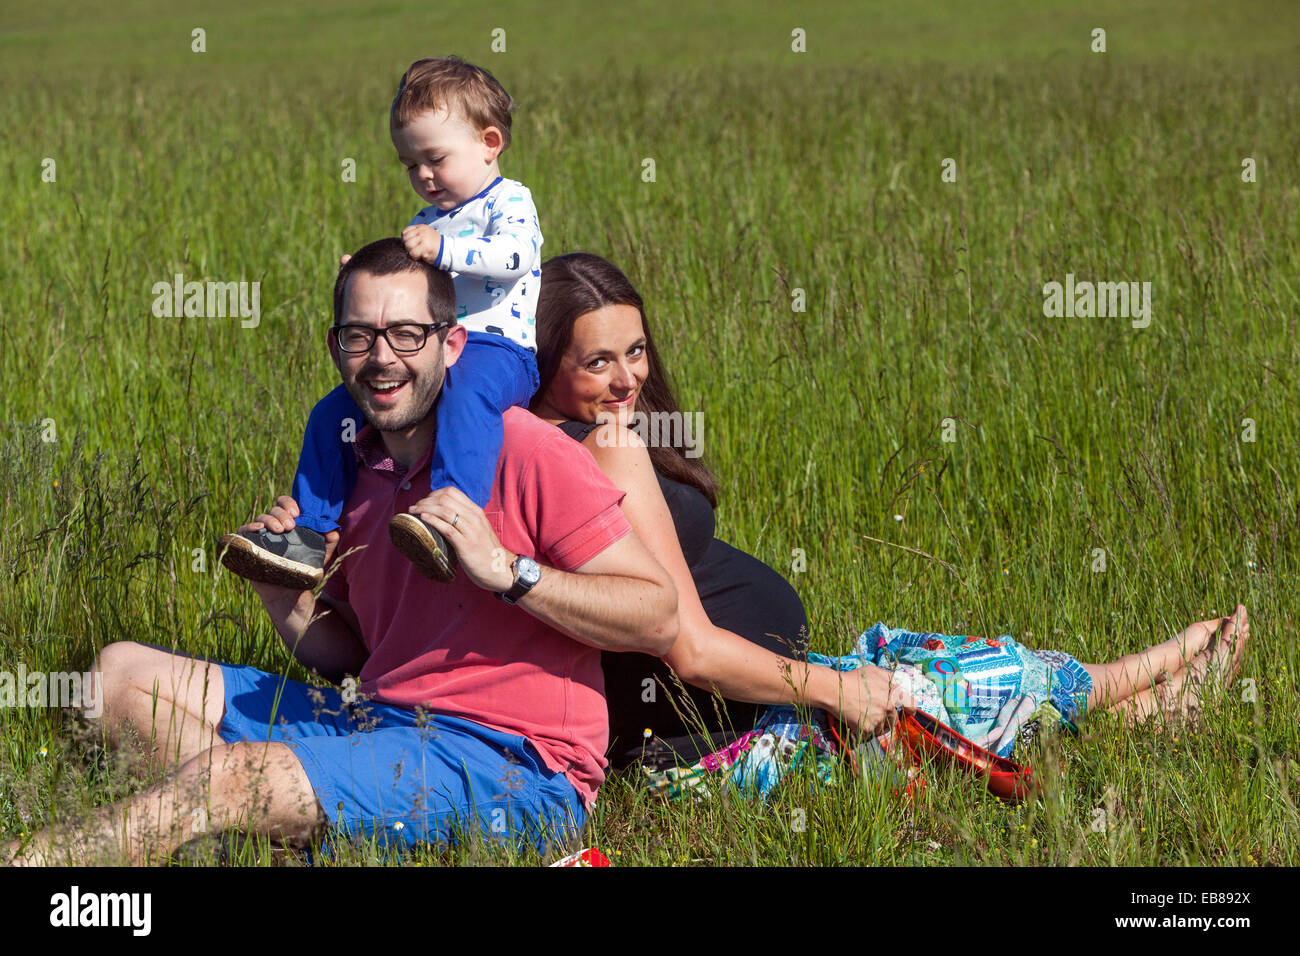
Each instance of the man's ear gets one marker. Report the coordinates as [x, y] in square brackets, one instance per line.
[454, 344]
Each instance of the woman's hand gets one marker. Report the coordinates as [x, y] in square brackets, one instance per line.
[869, 699]
[468, 530]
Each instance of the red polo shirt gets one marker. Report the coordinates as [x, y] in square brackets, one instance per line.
[458, 649]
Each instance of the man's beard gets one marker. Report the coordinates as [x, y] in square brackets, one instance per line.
[422, 391]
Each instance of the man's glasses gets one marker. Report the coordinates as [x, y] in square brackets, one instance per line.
[357, 339]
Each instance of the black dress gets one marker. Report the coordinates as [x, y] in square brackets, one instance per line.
[739, 594]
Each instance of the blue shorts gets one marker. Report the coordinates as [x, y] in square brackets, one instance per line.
[385, 773]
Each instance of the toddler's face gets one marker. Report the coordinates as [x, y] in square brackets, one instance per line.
[447, 159]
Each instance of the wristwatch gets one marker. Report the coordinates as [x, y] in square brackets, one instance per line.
[527, 573]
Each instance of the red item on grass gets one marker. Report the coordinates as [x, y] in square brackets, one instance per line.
[588, 857]
[925, 735]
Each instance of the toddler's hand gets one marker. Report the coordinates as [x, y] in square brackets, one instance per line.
[422, 242]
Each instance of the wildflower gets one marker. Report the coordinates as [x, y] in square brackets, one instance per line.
[399, 826]
[45, 751]
[646, 733]
[1249, 564]
[898, 517]
[1006, 571]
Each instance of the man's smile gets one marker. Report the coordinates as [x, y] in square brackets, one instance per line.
[385, 391]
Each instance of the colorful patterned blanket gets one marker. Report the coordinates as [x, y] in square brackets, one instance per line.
[994, 692]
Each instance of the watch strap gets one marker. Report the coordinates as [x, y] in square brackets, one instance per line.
[519, 588]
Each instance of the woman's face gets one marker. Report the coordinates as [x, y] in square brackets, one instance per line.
[603, 369]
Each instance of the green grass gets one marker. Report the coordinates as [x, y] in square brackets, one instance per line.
[775, 171]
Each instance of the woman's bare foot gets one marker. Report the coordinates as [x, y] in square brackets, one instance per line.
[1195, 639]
[1230, 648]
[1179, 696]
[1213, 670]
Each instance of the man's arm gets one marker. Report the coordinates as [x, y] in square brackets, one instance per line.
[620, 600]
[330, 645]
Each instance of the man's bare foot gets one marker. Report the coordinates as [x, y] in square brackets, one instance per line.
[14, 853]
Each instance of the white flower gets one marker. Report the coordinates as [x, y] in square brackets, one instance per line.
[399, 825]
[898, 517]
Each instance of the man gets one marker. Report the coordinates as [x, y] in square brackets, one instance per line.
[480, 703]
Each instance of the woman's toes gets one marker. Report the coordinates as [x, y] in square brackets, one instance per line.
[1240, 639]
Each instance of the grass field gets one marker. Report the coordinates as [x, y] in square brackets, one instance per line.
[131, 442]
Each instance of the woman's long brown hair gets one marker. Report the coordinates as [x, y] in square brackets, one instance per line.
[578, 283]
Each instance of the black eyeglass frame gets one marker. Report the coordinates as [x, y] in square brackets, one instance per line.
[429, 329]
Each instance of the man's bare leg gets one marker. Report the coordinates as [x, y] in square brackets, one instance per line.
[260, 788]
[171, 704]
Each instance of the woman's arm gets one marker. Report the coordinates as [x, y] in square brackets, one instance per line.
[707, 656]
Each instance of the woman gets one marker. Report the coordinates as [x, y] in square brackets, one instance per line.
[743, 632]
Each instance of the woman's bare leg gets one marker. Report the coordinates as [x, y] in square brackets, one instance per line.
[1169, 697]
[1180, 695]
[1118, 681]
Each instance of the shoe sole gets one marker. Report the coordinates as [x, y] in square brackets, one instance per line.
[242, 557]
[413, 538]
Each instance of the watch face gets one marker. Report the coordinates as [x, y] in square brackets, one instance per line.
[528, 570]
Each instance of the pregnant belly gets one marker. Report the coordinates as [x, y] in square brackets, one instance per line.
[742, 594]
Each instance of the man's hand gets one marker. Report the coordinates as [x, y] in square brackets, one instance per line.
[468, 530]
[422, 242]
[280, 519]
[332, 645]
